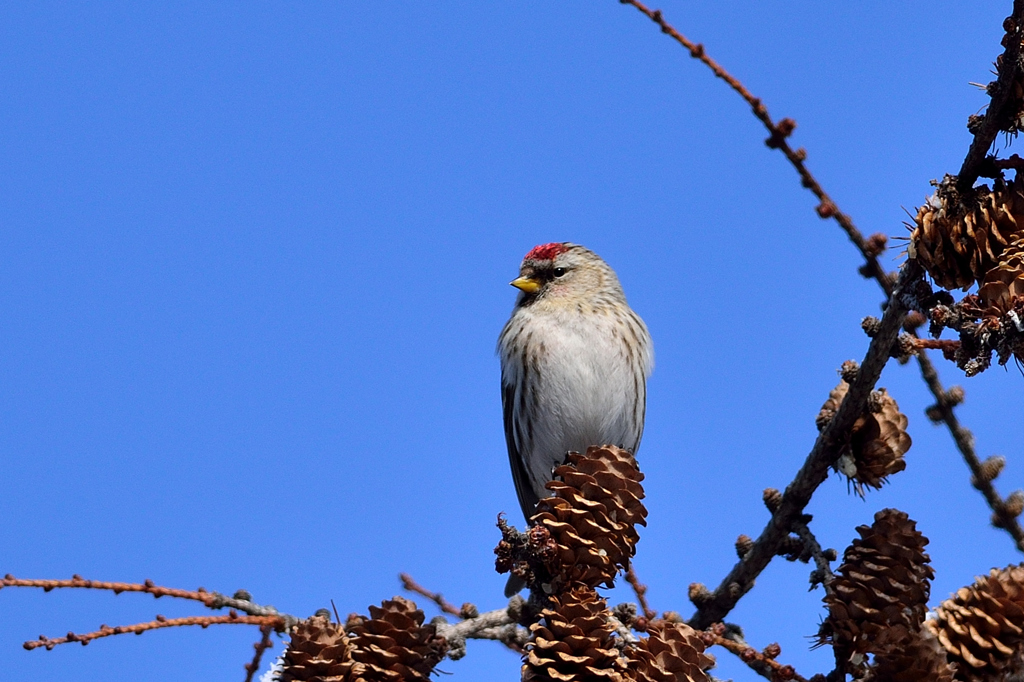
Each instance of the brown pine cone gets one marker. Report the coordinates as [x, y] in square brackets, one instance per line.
[882, 583]
[394, 644]
[982, 626]
[1002, 290]
[959, 245]
[909, 656]
[318, 650]
[672, 652]
[878, 440]
[1005, 281]
[592, 516]
[574, 641]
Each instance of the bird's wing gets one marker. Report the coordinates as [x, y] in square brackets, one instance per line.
[527, 498]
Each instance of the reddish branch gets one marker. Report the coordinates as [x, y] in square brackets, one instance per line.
[777, 139]
[265, 643]
[984, 134]
[761, 662]
[641, 593]
[76, 580]
[273, 622]
[213, 600]
[937, 344]
[412, 586]
[267, 617]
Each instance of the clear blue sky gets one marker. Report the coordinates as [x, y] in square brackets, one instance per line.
[254, 258]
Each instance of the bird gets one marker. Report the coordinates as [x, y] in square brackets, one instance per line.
[575, 360]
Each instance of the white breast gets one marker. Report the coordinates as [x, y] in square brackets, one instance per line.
[588, 390]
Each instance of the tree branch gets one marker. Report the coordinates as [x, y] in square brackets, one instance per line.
[412, 586]
[964, 439]
[265, 643]
[241, 601]
[1003, 95]
[777, 139]
[974, 163]
[823, 455]
[820, 560]
[640, 590]
[273, 622]
[496, 625]
[801, 528]
[730, 638]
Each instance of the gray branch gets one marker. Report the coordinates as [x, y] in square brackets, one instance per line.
[823, 455]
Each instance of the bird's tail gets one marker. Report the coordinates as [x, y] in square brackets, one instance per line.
[514, 585]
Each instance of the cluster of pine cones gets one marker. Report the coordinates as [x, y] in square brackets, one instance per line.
[878, 622]
[977, 238]
[579, 539]
[392, 645]
[878, 618]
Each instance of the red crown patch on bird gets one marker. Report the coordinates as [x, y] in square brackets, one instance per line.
[546, 251]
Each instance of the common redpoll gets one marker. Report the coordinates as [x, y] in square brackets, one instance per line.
[574, 365]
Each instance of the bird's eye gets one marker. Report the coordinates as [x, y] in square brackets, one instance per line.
[559, 272]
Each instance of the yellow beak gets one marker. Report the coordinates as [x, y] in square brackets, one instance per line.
[530, 286]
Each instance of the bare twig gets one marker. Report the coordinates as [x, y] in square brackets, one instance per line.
[937, 344]
[985, 131]
[761, 662]
[78, 581]
[212, 600]
[412, 586]
[273, 622]
[802, 530]
[827, 208]
[826, 451]
[1003, 95]
[641, 593]
[265, 643]
[965, 443]
[778, 134]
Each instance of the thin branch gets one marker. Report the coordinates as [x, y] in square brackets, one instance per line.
[412, 586]
[802, 530]
[78, 581]
[273, 622]
[937, 344]
[964, 439]
[640, 590]
[761, 662]
[498, 625]
[1003, 97]
[265, 643]
[1014, 162]
[823, 455]
[778, 132]
[212, 600]
[820, 560]
[827, 208]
